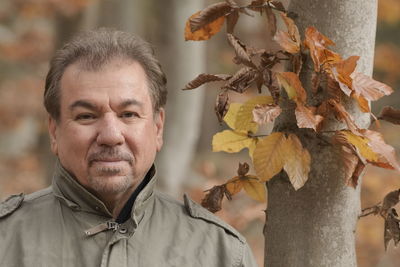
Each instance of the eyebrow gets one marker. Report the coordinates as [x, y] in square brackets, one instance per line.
[91, 106]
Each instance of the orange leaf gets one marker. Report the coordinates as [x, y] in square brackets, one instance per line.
[205, 32]
[234, 185]
[290, 40]
[306, 117]
[263, 114]
[369, 88]
[341, 72]
[292, 84]
[317, 44]
[362, 103]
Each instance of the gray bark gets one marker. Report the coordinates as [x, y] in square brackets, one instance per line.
[315, 226]
[182, 62]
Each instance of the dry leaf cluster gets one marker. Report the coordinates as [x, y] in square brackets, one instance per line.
[334, 79]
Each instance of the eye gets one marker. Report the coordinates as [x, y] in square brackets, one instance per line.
[84, 117]
[129, 115]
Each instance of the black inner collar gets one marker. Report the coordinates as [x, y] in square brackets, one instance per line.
[126, 211]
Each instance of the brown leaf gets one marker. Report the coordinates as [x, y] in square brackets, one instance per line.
[241, 80]
[306, 118]
[390, 114]
[208, 15]
[333, 89]
[206, 78]
[277, 5]
[213, 200]
[350, 164]
[317, 43]
[297, 63]
[392, 229]
[342, 71]
[231, 21]
[240, 50]
[315, 82]
[221, 105]
[232, 3]
[243, 169]
[257, 5]
[390, 200]
[263, 114]
[205, 32]
[343, 115]
[386, 152]
[271, 20]
[369, 88]
[363, 103]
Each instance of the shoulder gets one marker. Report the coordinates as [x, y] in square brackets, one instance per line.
[196, 212]
[20, 201]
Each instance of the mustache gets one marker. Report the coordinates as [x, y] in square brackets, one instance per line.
[110, 154]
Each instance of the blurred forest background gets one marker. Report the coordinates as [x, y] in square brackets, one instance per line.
[30, 32]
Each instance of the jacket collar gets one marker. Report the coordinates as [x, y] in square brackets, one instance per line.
[75, 196]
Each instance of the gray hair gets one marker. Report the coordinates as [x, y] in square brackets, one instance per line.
[93, 49]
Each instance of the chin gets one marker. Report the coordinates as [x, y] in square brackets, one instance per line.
[110, 184]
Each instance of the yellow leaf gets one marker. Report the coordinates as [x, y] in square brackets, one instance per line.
[230, 141]
[297, 162]
[252, 147]
[244, 119]
[230, 116]
[234, 185]
[254, 188]
[360, 143]
[269, 156]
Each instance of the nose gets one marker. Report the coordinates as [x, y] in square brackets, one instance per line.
[110, 132]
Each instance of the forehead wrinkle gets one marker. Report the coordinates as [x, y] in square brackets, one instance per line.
[84, 104]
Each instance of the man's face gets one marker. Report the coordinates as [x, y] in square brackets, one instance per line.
[108, 134]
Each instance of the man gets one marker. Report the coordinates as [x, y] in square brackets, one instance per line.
[105, 94]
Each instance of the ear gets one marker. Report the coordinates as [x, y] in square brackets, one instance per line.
[159, 124]
[52, 127]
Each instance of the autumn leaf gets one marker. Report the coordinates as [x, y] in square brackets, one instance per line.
[231, 21]
[253, 187]
[201, 26]
[271, 20]
[350, 162]
[263, 114]
[206, 78]
[244, 119]
[221, 105]
[343, 115]
[387, 155]
[213, 200]
[290, 40]
[369, 88]
[241, 80]
[231, 142]
[208, 15]
[234, 185]
[240, 50]
[342, 71]
[306, 118]
[231, 114]
[269, 156]
[358, 143]
[392, 228]
[317, 43]
[297, 162]
[292, 85]
[390, 114]
[390, 200]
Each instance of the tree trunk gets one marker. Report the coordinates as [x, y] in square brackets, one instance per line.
[184, 110]
[315, 226]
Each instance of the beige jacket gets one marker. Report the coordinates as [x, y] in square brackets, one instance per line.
[66, 226]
